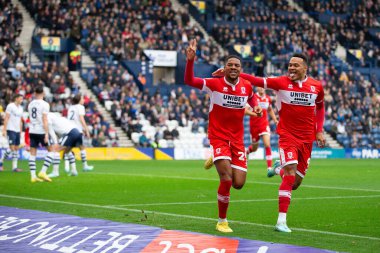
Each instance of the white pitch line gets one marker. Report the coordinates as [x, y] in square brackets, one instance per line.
[248, 182]
[250, 200]
[184, 216]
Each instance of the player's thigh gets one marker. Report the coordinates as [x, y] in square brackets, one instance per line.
[304, 155]
[255, 146]
[288, 154]
[266, 139]
[223, 167]
[221, 149]
[239, 165]
[255, 137]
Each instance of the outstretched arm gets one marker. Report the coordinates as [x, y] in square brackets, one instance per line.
[189, 71]
[320, 117]
[254, 80]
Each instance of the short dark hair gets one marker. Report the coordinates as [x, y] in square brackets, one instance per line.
[39, 89]
[233, 56]
[303, 56]
[16, 96]
[77, 98]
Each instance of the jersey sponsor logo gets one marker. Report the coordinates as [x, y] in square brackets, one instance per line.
[297, 98]
[229, 101]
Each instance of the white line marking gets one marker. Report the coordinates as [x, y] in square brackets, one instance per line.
[249, 200]
[185, 216]
[248, 182]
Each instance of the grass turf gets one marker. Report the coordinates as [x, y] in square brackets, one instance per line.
[336, 208]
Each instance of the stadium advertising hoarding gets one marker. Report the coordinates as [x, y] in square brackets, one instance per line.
[32, 231]
[162, 58]
[196, 153]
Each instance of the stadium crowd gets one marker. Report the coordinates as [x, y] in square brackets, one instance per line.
[129, 107]
[121, 29]
[106, 29]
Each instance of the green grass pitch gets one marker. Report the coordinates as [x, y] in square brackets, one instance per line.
[336, 208]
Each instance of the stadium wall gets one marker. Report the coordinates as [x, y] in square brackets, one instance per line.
[196, 153]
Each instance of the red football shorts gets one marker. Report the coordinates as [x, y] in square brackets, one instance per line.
[235, 152]
[256, 132]
[295, 152]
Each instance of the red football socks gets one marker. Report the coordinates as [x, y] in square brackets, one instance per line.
[224, 197]
[285, 193]
[268, 157]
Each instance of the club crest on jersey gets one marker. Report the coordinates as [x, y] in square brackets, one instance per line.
[290, 86]
[290, 155]
[217, 151]
[242, 90]
[225, 89]
[312, 88]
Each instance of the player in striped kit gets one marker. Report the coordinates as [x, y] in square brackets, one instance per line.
[12, 129]
[38, 131]
[70, 137]
[76, 114]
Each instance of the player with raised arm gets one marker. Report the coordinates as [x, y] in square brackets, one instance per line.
[229, 96]
[259, 126]
[300, 103]
[76, 113]
[38, 131]
[12, 129]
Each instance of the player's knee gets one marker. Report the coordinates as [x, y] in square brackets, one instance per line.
[237, 185]
[296, 185]
[255, 146]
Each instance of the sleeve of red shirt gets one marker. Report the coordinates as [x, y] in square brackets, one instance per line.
[252, 101]
[189, 76]
[266, 83]
[320, 110]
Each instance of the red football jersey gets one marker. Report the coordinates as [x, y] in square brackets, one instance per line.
[296, 104]
[227, 106]
[264, 102]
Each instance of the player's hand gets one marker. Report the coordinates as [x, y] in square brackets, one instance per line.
[321, 141]
[258, 110]
[87, 134]
[218, 72]
[46, 138]
[191, 50]
[276, 122]
[4, 132]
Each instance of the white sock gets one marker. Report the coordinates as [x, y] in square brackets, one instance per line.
[5, 154]
[83, 156]
[56, 161]
[15, 160]
[281, 218]
[32, 166]
[73, 165]
[222, 220]
[277, 170]
[48, 160]
[67, 163]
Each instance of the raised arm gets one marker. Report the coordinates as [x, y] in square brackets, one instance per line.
[189, 71]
